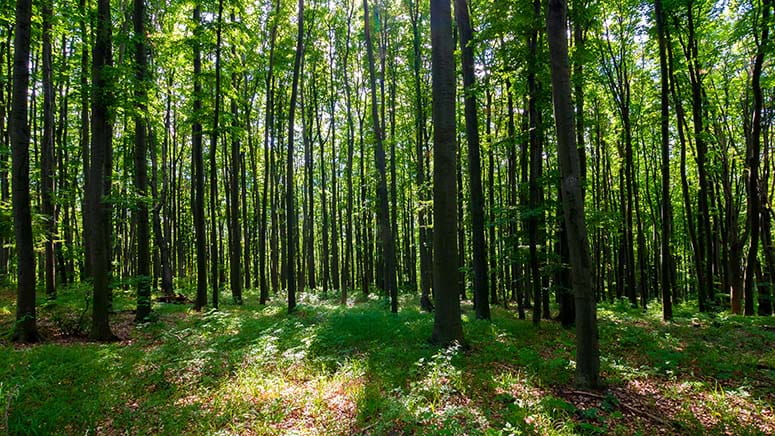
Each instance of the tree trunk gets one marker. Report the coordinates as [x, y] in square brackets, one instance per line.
[214, 233]
[666, 212]
[100, 173]
[752, 161]
[198, 171]
[26, 328]
[290, 210]
[587, 353]
[383, 212]
[447, 326]
[474, 164]
[141, 167]
[47, 155]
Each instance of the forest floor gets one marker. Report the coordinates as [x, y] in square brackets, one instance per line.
[326, 369]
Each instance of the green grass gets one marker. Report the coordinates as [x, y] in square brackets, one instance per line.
[326, 369]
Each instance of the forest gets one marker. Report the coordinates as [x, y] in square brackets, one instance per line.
[387, 217]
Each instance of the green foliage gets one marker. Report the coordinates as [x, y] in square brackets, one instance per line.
[336, 370]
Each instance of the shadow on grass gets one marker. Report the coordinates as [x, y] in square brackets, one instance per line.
[333, 370]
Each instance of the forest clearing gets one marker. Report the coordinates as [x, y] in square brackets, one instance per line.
[387, 217]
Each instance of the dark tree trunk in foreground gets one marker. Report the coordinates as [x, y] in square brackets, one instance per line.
[26, 328]
[290, 210]
[667, 215]
[383, 213]
[474, 163]
[47, 155]
[98, 209]
[587, 353]
[447, 325]
[141, 167]
[198, 207]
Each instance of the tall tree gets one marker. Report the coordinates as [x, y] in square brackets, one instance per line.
[383, 213]
[753, 159]
[47, 159]
[141, 166]
[214, 230]
[101, 166]
[198, 170]
[587, 352]
[291, 241]
[235, 243]
[476, 200]
[447, 325]
[666, 212]
[26, 328]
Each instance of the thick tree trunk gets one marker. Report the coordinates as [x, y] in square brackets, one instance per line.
[26, 328]
[447, 326]
[100, 172]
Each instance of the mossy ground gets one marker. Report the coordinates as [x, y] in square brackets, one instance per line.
[328, 369]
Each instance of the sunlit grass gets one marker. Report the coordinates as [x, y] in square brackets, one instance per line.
[327, 369]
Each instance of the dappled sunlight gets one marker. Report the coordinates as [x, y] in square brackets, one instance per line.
[327, 369]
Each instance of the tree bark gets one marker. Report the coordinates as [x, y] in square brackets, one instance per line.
[26, 328]
[666, 212]
[587, 352]
[383, 212]
[198, 171]
[290, 210]
[478, 243]
[141, 167]
[447, 326]
[47, 161]
[100, 173]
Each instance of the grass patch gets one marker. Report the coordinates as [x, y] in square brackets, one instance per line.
[328, 369]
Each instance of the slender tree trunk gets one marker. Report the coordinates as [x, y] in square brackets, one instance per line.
[198, 171]
[291, 241]
[268, 124]
[426, 267]
[536, 157]
[753, 161]
[47, 162]
[666, 212]
[587, 352]
[141, 167]
[383, 212]
[447, 326]
[235, 245]
[349, 263]
[474, 163]
[214, 233]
